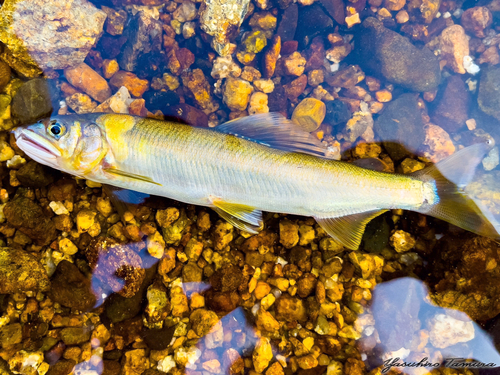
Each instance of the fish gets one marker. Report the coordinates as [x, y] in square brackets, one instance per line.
[253, 164]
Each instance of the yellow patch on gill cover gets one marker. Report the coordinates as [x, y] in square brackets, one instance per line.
[116, 127]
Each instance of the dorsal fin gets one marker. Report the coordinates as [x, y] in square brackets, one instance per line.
[274, 130]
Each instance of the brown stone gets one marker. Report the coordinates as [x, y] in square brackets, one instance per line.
[88, 80]
[109, 67]
[138, 108]
[190, 115]
[115, 21]
[179, 60]
[199, 87]
[271, 56]
[394, 4]
[134, 84]
[454, 47]
[476, 20]
[290, 309]
[347, 77]
[451, 110]
[25, 215]
[315, 54]
[296, 87]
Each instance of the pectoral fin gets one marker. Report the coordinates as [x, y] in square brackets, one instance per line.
[132, 176]
[348, 230]
[243, 217]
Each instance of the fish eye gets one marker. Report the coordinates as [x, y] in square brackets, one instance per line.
[55, 129]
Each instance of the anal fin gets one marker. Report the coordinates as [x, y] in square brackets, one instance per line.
[348, 230]
[241, 216]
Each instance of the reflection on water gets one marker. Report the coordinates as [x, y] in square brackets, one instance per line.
[96, 280]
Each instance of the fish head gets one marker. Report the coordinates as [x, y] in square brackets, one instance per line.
[73, 144]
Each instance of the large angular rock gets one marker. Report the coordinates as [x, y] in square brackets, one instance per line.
[48, 34]
[386, 53]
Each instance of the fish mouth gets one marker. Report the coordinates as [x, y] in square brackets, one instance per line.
[36, 146]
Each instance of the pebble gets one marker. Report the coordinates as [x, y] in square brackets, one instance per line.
[409, 165]
[437, 144]
[383, 96]
[58, 208]
[454, 46]
[196, 82]
[263, 21]
[402, 16]
[264, 85]
[402, 241]
[309, 114]
[271, 56]
[109, 68]
[81, 103]
[266, 322]
[258, 103]
[155, 245]
[115, 20]
[262, 354]
[84, 220]
[250, 74]
[294, 64]
[219, 18]
[6, 151]
[28, 362]
[491, 160]
[445, 330]
[476, 20]
[224, 66]
[358, 125]
[188, 30]
[236, 94]
[254, 41]
[186, 11]
[83, 77]
[290, 309]
[315, 77]
[134, 84]
[117, 103]
[16, 162]
[338, 53]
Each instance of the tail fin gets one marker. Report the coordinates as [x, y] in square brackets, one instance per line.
[455, 206]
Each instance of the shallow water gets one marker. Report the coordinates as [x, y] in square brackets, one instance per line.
[97, 280]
